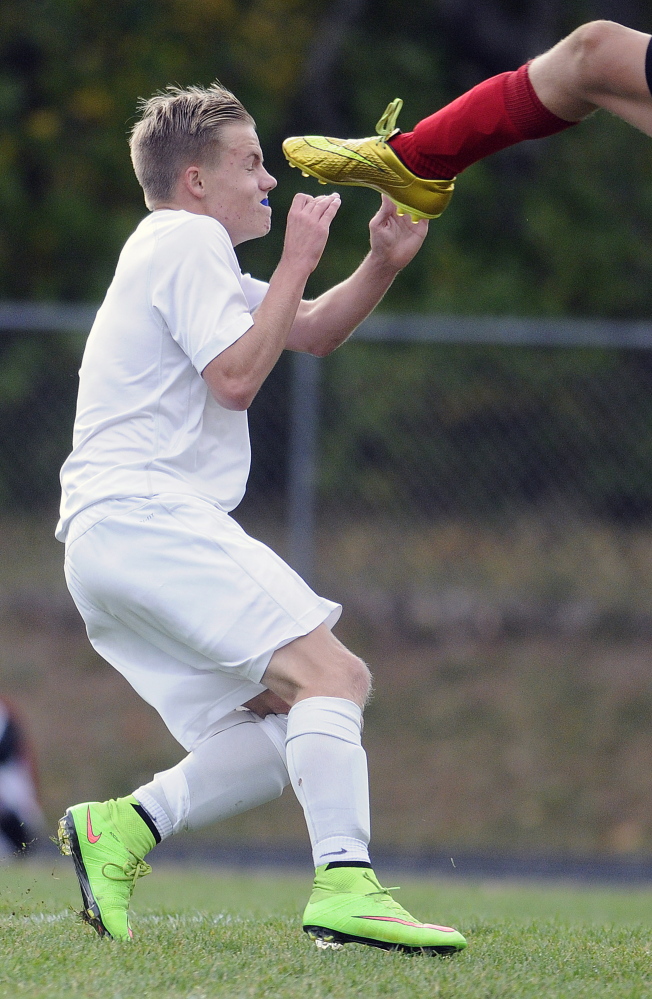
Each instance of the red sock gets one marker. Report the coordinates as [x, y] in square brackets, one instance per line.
[499, 112]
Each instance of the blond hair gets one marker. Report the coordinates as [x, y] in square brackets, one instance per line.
[177, 128]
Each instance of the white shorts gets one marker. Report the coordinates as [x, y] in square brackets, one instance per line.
[185, 605]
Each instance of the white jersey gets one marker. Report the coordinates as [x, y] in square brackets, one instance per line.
[146, 421]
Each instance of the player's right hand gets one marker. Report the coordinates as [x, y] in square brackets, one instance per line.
[307, 228]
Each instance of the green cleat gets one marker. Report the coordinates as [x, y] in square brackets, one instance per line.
[107, 841]
[348, 905]
[370, 162]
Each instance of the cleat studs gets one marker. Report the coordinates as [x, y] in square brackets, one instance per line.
[324, 941]
[399, 211]
[321, 181]
[63, 841]
[322, 944]
[415, 218]
[304, 174]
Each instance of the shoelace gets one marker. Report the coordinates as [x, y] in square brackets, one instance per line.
[131, 870]
[392, 903]
[387, 124]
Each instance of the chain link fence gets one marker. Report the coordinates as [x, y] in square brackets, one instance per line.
[494, 425]
[509, 484]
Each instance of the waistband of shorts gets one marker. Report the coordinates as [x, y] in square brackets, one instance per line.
[92, 515]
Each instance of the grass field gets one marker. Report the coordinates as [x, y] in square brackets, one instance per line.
[204, 933]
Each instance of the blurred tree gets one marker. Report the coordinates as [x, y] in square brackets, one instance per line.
[70, 75]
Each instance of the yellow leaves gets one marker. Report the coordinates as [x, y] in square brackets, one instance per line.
[271, 42]
[201, 15]
[92, 104]
[8, 151]
[43, 124]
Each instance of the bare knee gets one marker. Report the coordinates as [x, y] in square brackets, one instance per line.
[601, 64]
[358, 679]
[589, 54]
[317, 665]
[341, 674]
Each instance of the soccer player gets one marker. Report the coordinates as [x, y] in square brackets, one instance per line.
[599, 65]
[212, 628]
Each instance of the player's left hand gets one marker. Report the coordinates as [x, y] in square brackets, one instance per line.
[395, 238]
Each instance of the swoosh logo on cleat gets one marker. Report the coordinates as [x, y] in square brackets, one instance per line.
[326, 146]
[336, 853]
[405, 922]
[92, 838]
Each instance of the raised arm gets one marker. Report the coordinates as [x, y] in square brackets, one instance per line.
[236, 374]
[323, 324]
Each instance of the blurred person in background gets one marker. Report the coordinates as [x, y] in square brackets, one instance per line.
[21, 818]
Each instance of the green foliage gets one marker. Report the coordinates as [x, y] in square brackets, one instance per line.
[72, 74]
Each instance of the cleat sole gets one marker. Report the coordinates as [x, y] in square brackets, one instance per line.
[69, 847]
[326, 939]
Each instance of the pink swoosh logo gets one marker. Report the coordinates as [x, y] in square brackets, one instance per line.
[404, 922]
[92, 838]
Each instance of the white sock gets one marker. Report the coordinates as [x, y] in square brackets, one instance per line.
[240, 766]
[328, 770]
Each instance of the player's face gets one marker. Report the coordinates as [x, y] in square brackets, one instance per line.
[237, 187]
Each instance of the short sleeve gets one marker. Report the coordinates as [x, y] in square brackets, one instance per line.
[196, 288]
[254, 290]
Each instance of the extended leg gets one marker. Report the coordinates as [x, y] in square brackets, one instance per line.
[600, 65]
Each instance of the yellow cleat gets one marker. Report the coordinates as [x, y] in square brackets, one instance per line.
[370, 163]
